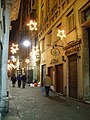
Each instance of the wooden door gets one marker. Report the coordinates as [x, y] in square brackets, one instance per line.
[50, 72]
[43, 73]
[73, 76]
[59, 78]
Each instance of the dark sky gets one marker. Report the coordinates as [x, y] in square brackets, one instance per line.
[15, 32]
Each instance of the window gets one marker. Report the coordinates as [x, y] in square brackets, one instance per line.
[42, 15]
[59, 27]
[41, 1]
[48, 5]
[33, 2]
[50, 37]
[71, 20]
[43, 45]
[36, 42]
[63, 5]
[87, 14]
[84, 14]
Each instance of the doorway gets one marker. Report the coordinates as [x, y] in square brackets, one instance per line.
[30, 76]
[73, 76]
[43, 73]
[59, 78]
[50, 72]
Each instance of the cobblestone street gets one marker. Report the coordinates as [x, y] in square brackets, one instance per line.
[31, 104]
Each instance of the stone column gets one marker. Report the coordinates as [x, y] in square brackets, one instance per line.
[4, 98]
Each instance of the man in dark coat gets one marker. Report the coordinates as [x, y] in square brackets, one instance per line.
[19, 78]
[23, 80]
[13, 79]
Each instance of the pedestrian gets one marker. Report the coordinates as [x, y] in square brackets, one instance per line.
[13, 79]
[47, 81]
[35, 83]
[19, 78]
[23, 80]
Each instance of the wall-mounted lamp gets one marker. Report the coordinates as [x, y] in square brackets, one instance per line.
[78, 56]
[63, 59]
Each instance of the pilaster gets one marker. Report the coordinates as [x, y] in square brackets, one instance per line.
[4, 104]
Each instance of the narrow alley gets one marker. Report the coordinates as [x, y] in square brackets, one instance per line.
[32, 104]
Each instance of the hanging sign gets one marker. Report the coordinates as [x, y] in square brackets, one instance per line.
[55, 51]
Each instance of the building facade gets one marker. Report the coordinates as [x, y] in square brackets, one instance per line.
[66, 59]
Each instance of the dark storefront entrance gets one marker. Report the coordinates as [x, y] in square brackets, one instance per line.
[73, 76]
[43, 73]
[59, 78]
[50, 72]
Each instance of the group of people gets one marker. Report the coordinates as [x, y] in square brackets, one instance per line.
[47, 82]
[20, 78]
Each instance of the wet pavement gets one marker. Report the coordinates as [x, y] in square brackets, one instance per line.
[32, 104]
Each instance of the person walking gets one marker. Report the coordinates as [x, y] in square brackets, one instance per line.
[23, 80]
[13, 79]
[47, 81]
[35, 83]
[19, 78]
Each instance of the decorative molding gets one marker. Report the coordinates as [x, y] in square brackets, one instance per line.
[72, 47]
[53, 61]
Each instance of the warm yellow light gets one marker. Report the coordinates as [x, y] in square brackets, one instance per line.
[17, 64]
[34, 53]
[32, 25]
[14, 48]
[61, 34]
[27, 61]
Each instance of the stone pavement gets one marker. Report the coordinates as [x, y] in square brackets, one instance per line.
[31, 104]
